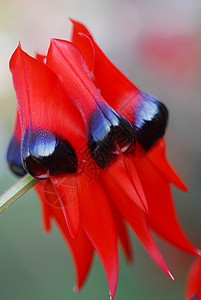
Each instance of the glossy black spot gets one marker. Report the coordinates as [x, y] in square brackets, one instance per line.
[108, 133]
[194, 297]
[44, 152]
[150, 120]
[14, 158]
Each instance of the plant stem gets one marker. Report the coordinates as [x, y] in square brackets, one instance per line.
[16, 191]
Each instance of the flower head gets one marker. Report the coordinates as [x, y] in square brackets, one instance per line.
[96, 142]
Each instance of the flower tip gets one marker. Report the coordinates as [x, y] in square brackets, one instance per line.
[56, 43]
[184, 188]
[76, 289]
[180, 184]
[72, 21]
[16, 54]
[170, 275]
[52, 41]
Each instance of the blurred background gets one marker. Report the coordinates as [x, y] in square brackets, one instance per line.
[157, 44]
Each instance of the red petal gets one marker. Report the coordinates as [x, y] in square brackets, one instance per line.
[84, 41]
[66, 188]
[157, 157]
[193, 284]
[136, 219]
[66, 61]
[123, 233]
[97, 221]
[115, 88]
[162, 215]
[41, 57]
[42, 102]
[123, 173]
[45, 211]
[88, 51]
[81, 248]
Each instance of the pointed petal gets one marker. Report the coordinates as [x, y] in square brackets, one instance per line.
[66, 188]
[81, 248]
[193, 283]
[122, 173]
[157, 157]
[98, 223]
[45, 211]
[88, 51]
[85, 43]
[162, 215]
[137, 220]
[115, 88]
[41, 57]
[42, 102]
[123, 233]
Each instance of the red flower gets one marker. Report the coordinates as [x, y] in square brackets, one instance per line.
[193, 285]
[97, 141]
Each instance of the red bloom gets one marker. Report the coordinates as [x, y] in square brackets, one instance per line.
[97, 141]
[193, 285]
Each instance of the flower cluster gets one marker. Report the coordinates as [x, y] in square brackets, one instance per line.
[96, 142]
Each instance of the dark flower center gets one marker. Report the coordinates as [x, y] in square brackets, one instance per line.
[14, 157]
[45, 153]
[107, 134]
[150, 120]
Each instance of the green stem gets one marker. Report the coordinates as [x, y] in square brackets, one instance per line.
[16, 191]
